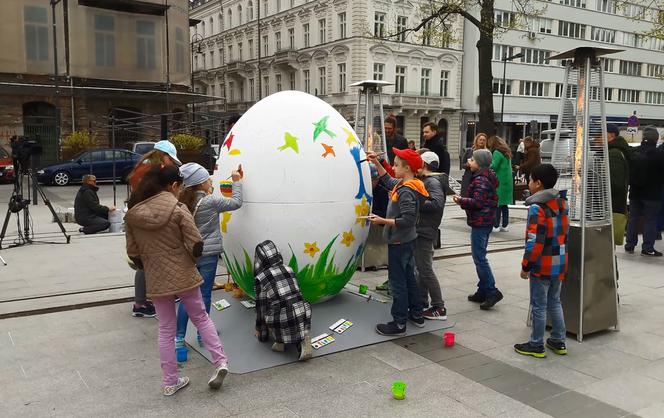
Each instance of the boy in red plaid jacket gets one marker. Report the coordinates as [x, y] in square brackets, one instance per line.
[545, 261]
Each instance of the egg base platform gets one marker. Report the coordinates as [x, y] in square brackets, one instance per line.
[246, 354]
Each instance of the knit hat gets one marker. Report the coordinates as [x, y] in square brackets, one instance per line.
[374, 171]
[168, 148]
[431, 159]
[482, 157]
[193, 174]
[411, 157]
[650, 135]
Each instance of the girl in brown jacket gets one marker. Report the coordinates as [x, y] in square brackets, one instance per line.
[162, 239]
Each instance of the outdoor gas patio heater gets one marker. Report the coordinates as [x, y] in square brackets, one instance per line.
[580, 154]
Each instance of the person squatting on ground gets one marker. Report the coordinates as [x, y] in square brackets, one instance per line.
[163, 154]
[281, 312]
[406, 196]
[205, 208]
[501, 164]
[480, 206]
[88, 213]
[545, 261]
[430, 216]
[163, 240]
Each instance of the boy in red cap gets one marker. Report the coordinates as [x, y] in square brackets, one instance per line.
[407, 193]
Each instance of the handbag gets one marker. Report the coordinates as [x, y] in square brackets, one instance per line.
[619, 225]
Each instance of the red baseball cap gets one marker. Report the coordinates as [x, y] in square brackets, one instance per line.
[412, 158]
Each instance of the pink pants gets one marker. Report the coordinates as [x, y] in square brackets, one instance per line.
[166, 315]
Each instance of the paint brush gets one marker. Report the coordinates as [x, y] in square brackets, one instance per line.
[377, 155]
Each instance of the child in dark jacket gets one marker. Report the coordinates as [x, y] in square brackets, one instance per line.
[480, 206]
[400, 234]
[545, 261]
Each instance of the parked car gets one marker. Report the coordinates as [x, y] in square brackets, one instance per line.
[546, 145]
[141, 147]
[98, 162]
[6, 167]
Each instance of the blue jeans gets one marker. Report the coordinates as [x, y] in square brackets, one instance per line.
[545, 297]
[504, 212]
[479, 241]
[649, 209]
[403, 285]
[207, 267]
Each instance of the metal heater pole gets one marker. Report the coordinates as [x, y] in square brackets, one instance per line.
[367, 116]
[382, 118]
[357, 117]
[113, 147]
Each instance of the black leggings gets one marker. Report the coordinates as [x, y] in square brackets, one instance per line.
[503, 211]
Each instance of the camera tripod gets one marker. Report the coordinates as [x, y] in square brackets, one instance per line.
[18, 204]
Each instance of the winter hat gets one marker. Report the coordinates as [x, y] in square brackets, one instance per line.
[168, 148]
[431, 159]
[650, 135]
[411, 157]
[612, 129]
[193, 174]
[374, 171]
[482, 157]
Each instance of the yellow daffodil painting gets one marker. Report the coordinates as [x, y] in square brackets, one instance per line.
[311, 248]
[348, 238]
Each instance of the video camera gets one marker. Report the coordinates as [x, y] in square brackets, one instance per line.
[23, 149]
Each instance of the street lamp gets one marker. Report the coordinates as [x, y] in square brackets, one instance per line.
[504, 87]
[195, 38]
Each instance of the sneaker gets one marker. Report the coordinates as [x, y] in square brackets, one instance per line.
[170, 390]
[491, 300]
[528, 349]
[504, 229]
[418, 322]
[305, 348]
[477, 297]
[496, 229]
[556, 347]
[217, 378]
[278, 347]
[146, 311]
[439, 314]
[385, 287]
[391, 329]
[651, 253]
[179, 342]
[629, 250]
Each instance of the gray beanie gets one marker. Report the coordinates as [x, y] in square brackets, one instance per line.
[650, 135]
[482, 157]
[193, 174]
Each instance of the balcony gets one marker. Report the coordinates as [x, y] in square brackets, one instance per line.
[286, 58]
[415, 100]
[236, 69]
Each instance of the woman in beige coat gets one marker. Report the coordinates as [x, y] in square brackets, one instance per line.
[163, 240]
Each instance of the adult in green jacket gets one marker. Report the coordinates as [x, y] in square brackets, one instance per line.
[619, 155]
[501, 163]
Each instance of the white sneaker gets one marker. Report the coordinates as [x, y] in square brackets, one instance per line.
[496, 229]
[217, 378]
[504, 229]
[170, 390]
[305, 348]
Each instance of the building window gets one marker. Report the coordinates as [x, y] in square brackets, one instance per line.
[608, 94]
[341, 70]
[341, 17]
[203, 60]
[572, 90]
[535, 56]
[655, 70]
[541, 25]
[239, 15]
[292, 3]
[654, 97]
[213, 90]
[322, 31]
[203, 29]
[425, 82]
[250, 17]
[379, 24]
[291, 38]
[252, 89]
[608, 64]
[266, 86]
[231, 91]
[277, 79]
[104, 41]
[278, 10]
[322, 80]
[239, 52]
[36, 33]
[402, 25]
[378, 71]
[230, 53]
[241, 91]
[266, 46]
[571, 30]
[221, 56]
[180, 50]
[426, 34]
[277, 41]
[251, 48]
[306, 78]
[230, 18]
[291, 79]
[444, 83]
[502, 51]
[574, 3]
[634, 10]
[504, 19]
[305, 30]
[533, 88]
[630, 68]
[607, 6]
[212, 59]
[264, 8]
[603, 35]
[400, 82]
[500, 88]
[628, 96]
[656, 44]
[632, 39]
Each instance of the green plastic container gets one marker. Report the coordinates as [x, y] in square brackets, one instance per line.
[399, 390]
[363, 289]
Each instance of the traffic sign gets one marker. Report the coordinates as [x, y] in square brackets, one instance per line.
[632, 130]
[633, 120]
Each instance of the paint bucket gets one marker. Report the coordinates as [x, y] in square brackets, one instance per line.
[226, 187]
[399, 390]
[115, 218]
[363, 289]
[181, 354]
[448, 339]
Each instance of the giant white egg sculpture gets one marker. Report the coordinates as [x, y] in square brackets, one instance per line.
[306, 186]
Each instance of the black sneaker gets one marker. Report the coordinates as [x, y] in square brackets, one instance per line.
[528, 349]
[629, 250]
[477, 297]
[439, 314]
[651, 253]
[491, 300]
[557, 347]
[390, 329]
[146, 311]
[418, 322]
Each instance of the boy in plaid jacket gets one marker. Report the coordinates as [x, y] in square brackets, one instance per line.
[281, 312]
[545, 261]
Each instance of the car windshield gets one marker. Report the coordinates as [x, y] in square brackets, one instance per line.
[3, 154]
[143, 148]
[78, 156]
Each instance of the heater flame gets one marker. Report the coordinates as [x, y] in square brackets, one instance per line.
[370, 139]
[579, 146]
